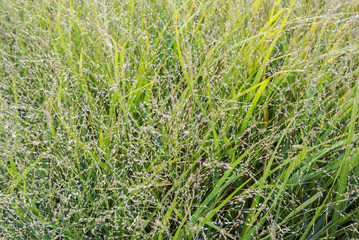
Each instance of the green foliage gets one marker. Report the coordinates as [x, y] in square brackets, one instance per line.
[170, 119]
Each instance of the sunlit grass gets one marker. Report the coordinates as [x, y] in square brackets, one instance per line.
[179, 119]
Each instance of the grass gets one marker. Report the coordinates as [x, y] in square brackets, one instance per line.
[164, 119]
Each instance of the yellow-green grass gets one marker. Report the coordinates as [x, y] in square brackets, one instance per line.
[231, 119]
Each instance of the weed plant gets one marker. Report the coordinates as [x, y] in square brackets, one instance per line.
[179, 119]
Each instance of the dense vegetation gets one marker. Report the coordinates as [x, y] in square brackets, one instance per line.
[170, 119]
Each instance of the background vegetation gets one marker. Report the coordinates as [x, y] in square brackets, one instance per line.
[171, 119]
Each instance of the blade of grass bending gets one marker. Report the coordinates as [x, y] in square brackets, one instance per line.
[286, 174]
[174, 202]
[17, 180]
[250, 220]
[188, 21]
[301, 207]
[183, 221]
[220, 230]
[329, 224]
[221, 184]
[214, 211]
[319, 211]
[253, 105]
[262, 86]
[345, 167]
[89, 153]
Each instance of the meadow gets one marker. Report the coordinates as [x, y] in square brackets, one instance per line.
[179, 119]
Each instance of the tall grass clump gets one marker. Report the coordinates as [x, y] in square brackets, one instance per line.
[172, 119]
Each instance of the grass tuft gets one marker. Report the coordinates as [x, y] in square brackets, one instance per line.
[166, 119]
